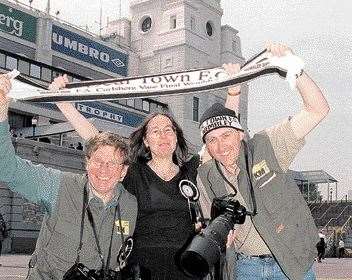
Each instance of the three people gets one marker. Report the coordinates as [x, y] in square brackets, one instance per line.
[278, 241]
[159, 156]
[281, 233]
[87, 215]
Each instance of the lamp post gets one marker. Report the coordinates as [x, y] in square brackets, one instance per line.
[34, 124]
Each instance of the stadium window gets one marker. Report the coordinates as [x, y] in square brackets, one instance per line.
[146, 106]
[130, 102]
[195, 109]
[161, 108]
[2, 60]
[173, 22]
[122, 101]
[11, 63]
[70, 78]
[138, 104]
[35, 71]
[23, 67]
[209, 28]
[46, 74]
[75, 80]
[146, 24]
[152, 107]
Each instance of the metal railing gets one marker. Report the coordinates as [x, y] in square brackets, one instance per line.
[336, 218]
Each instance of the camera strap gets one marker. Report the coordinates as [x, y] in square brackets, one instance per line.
[254, 202]
[91, 221]
[245, 145]
[118, 212]
[224, 177]
[85, 199]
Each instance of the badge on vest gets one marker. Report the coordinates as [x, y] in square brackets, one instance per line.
[125, 227]
[260, 169]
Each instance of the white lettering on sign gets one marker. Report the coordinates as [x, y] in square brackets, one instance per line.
[14, 24]
[100, 113]
[84, 49]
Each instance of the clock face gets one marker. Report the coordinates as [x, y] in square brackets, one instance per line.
[209, 28]
[146, 24]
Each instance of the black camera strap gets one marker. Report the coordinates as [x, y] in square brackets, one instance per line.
[254, 202]
[224, 177]
[85, 207]
[91, 221]
[118, 212]
[85, 199]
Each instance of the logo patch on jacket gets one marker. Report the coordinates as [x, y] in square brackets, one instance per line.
[260, 169]
[125, 227]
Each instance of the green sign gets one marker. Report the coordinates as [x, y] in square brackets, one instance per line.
[18, 23]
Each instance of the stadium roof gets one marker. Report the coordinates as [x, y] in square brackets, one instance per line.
[312, 176]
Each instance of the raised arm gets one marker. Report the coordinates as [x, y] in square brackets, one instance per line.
[83, 127]
[315, 106]
[35, 182]
[233, 93]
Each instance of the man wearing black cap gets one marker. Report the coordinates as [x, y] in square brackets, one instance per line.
[278, 241]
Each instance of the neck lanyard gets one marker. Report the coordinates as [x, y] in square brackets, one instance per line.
[254, 203]
[85, 208]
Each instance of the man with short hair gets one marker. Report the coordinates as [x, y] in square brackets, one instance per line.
[87, 215]
[278, 241]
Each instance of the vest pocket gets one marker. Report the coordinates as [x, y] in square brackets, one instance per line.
[271, 192]
[63, 244]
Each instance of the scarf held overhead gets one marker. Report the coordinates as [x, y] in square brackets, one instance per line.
[193, 81]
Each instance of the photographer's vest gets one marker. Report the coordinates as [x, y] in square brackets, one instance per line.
[56, 248]
[283, 218]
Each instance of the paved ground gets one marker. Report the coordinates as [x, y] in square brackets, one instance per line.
[14, 267]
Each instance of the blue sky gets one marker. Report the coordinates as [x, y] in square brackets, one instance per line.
[318, 31]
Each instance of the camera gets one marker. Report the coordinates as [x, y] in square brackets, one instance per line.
[207, 247]
[80, 272]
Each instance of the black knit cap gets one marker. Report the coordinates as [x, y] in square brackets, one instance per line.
[218, 116]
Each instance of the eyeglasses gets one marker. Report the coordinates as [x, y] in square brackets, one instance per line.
[157, 132]
[96, 163]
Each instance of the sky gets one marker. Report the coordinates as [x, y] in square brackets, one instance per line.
[320, 32]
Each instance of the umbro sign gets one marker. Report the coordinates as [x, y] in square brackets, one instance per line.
[87, 50]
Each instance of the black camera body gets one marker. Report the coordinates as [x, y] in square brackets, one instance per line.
[80, 272]
[232, 209]
[207, 247]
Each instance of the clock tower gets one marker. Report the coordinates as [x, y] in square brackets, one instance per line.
[177, 35]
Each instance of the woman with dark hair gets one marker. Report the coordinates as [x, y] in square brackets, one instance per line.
[141, 152]
[159, 162]
[158, 153]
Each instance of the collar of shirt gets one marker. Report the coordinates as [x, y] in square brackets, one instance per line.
[113, 201]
